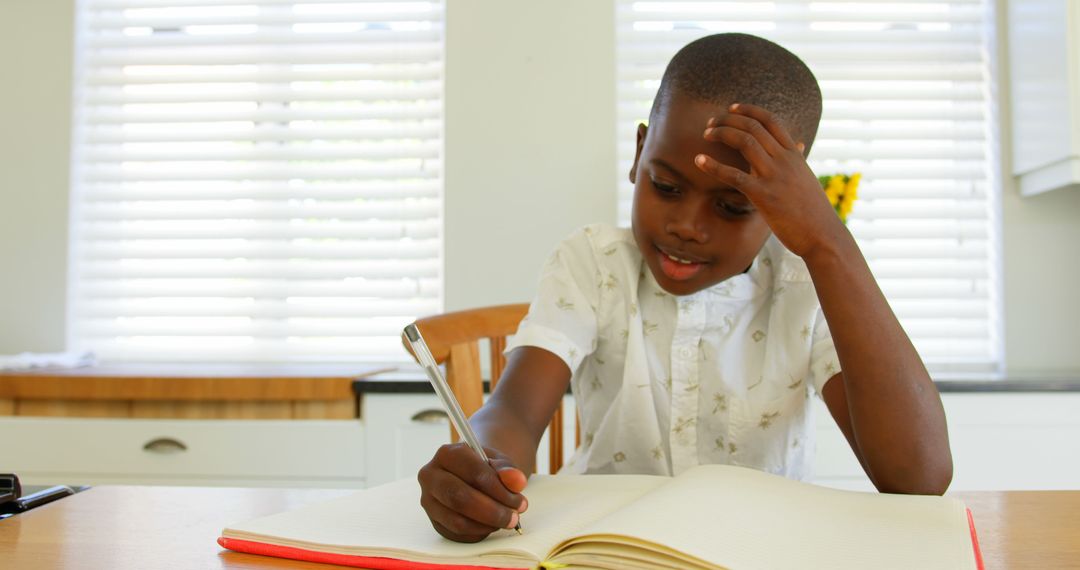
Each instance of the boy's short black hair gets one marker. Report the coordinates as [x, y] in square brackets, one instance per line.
[741, 68]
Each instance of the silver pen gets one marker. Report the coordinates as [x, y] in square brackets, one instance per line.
[453, 408]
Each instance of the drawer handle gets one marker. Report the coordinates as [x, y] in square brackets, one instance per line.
[431, 416]
[164, 445]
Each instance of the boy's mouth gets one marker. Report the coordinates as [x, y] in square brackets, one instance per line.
[678, 268]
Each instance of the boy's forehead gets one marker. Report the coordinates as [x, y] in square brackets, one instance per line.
[677, 135]
[683, 120]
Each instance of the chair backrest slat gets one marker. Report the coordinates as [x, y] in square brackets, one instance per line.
[445, 330]
[498, 360]
[454, 339]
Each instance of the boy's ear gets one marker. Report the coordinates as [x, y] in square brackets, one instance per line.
[641, 131]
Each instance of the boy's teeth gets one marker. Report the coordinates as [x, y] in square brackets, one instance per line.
[683, 261]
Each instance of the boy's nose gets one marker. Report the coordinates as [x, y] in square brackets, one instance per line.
[688, 222]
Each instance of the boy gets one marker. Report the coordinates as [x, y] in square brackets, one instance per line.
[692, 337]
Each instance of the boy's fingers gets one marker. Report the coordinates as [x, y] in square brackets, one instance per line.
[454, 536]
[513, 479]
[454, 525]
[768, 119]
[463, 499]
[754, 128]
[465, 464]
[729, 175]
[746, 144]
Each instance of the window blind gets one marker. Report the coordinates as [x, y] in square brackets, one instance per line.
[908, 102]
[255, 180]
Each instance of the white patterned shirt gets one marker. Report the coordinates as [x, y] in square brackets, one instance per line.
[663, 382]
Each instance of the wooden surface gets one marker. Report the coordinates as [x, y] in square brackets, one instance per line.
[186, 391]
[199, 382]
[176, 527]
[1037, 530]
[462, 327]
[121, 528]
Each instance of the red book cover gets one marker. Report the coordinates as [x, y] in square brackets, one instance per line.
[367, 562]
[975, 542]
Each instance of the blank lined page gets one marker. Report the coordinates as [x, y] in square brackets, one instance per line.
[744, 519]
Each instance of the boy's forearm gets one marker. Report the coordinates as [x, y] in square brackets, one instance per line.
[896, 414]
[500, 428]
[529, 391]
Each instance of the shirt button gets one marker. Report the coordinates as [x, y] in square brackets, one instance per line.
[685, 352]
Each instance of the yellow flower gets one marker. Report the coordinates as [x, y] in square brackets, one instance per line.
[845, 209]
[853, 185]
[851, 193]
[842, 191]
[834, 189]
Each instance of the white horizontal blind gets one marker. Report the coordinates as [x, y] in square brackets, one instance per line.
[907, 89]
[255, 180]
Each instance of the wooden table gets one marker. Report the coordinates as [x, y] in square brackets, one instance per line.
[1021, 530]
[176, 527]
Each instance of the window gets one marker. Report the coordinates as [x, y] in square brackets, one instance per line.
[908, 102]
[257, 180]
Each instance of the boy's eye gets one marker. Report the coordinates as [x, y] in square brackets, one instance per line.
[663, 187]
[733, 209]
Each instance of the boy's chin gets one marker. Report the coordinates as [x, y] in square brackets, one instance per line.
[680, 288]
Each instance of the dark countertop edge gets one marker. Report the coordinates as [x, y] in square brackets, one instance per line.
[1012, 386]
[408, 384]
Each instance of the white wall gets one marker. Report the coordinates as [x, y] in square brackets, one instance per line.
[530, 116]
[35, 122]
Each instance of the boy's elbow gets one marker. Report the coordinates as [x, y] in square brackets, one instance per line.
[942, 478]
[929, 484]
[929, 478]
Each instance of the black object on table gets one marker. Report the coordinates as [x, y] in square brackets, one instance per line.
[13, 500]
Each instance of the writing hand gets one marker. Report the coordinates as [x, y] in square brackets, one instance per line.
[465, 499]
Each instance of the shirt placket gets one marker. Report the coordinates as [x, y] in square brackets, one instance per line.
[685, 382]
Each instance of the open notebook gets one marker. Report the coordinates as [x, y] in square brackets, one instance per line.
[712, 516]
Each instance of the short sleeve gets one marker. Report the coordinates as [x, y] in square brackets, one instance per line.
[562, 318]
[824, 363]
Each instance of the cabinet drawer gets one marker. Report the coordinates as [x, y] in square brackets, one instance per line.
[405, 430]
[175, 449]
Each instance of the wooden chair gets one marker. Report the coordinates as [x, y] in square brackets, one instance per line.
[454, 338]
